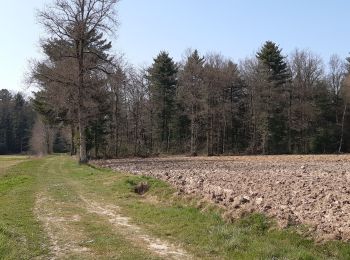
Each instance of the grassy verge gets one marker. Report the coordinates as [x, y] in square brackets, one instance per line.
[8, 161]
[21, 236]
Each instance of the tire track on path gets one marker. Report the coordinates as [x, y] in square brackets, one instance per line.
[134, 233]
[64, 238]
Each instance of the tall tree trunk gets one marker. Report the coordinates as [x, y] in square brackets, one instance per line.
[151, 132]
[72, 144]
[211, 138]
[168, 140]
[209, 127]
[193, 134]
[115, 123]
[192, 148]
[290, 123]
[233, 143]
[116, 142]
[224, 137]
[342, 128]
[136, 138]
[82, 145]
[95, 141]
[47, 139]
[208, 137]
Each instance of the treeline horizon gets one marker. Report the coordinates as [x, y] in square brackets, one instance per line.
[22, 131]
[16, 121]
[102, 107]
[227, 123]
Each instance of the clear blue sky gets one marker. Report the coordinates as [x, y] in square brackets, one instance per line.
[235, 28]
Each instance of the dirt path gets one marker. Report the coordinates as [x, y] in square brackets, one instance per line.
[63, 209]
[133, 232]
[62, 241]
[63, 238]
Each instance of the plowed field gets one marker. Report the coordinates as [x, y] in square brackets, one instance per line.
[310, 190]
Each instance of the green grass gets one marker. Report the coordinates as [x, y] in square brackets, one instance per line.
[178, 219]
[21, 236]
[8, 161]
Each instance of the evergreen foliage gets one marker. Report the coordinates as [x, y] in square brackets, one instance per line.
[16, 122]
[162, 76]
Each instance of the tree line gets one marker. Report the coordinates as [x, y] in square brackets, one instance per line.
[16, 120]
[266, 104]
[24, 131]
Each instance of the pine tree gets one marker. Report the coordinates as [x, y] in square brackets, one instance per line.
[163, 80]
[275, 93]
[16, 121]
[193, 96]
[60, 144]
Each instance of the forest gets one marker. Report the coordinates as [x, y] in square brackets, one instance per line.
[92, 102]
[16, 122]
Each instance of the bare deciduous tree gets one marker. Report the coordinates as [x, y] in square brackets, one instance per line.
[336, 74]
[192, 93]
[345, 91]
[307, 70]
[81, 24]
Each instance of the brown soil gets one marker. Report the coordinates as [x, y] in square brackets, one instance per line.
[311, 190]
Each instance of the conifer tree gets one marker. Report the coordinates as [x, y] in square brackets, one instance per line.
[193, 96]
[163, 79]
[275, 66]
[271, 56]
